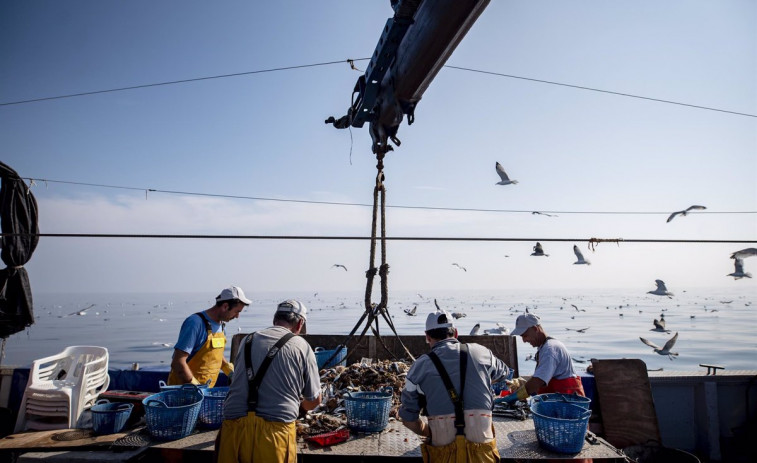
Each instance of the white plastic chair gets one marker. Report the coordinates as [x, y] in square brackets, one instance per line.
[62, 386]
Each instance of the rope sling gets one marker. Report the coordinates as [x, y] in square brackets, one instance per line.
[372, 311]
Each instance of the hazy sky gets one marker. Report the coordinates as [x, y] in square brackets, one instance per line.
[262, 135]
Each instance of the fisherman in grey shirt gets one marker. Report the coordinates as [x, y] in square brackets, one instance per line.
[267, 433]
[424, 383]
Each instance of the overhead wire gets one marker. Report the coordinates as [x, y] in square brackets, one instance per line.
[182, 81]
[34, 180]
[351, 62]
[364, 238]
[580, 87]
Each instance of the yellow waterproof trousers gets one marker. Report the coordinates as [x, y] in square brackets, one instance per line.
[252, 439]
[461, 451]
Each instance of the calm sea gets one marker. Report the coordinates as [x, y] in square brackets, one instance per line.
[715, 326]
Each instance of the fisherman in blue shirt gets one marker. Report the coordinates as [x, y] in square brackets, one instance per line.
[198, 354]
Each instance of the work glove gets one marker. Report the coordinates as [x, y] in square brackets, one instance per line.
[194, 381]
[516, 383]
[228, 368]
[520, 394]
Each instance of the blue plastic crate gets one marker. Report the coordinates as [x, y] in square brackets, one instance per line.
[172, 414]
[368, 411]
[211, 410]
[560, 426]
[322, 355]
[109, 417]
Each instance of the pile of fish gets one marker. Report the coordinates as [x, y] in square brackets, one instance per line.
[519, 410]
[337, 382]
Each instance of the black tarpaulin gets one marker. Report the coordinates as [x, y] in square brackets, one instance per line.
[18, 218]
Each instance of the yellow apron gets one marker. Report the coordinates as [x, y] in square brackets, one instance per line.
[251, 439]
[207, 361]
[461, 451]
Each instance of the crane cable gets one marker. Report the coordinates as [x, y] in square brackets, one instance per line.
[372, 310]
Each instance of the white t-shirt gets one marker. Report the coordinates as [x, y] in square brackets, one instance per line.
[553, 361]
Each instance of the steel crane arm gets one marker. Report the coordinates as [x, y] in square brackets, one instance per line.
[413, 47]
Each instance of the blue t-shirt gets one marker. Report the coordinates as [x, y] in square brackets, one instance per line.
[193, 334]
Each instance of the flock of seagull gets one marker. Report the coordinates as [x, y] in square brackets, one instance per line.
[660, 290]
[737, 256]
[659, 324]
[538, 249]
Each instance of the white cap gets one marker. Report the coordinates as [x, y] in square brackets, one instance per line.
[231, 293]
[296, 307]
[439, 319]
[523, 323]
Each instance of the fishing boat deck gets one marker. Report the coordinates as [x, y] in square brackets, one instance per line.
[516, 440]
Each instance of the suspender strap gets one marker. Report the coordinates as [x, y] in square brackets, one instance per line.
[204, 320]
[254, 380]
[457, 399]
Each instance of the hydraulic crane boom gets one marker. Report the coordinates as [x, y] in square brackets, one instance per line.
[413, 47]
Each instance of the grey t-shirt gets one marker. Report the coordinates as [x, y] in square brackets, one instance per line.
[423, 378]
[292, 373]
[553, 361]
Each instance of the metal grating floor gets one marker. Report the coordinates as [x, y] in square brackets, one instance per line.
[515, 440]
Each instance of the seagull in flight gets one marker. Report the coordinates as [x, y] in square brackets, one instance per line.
[744, 253]
[81, 312]
[686, 211]
[538, 251]
[581, 330]
[339, 266]
[579, 256]
[411, 312]
[543, 213]
[659, 325]
[460, 266]
[661, 289]
[457, 315]
[664, 350]
[476, 328]
[739, 270]
[505, 180]
[577, 309]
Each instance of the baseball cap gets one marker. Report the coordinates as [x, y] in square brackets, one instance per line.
[296, 307]
[231, 293]
[439, 319]
[523, 323]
